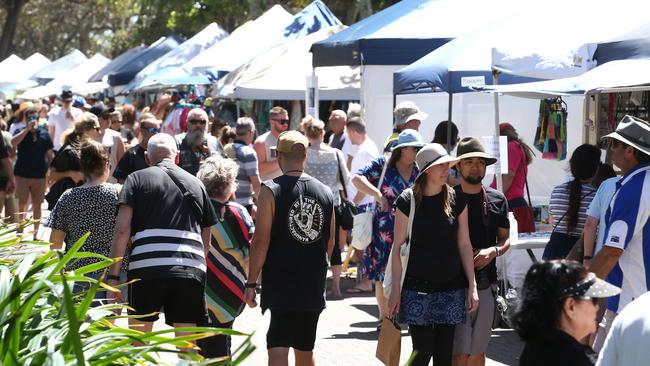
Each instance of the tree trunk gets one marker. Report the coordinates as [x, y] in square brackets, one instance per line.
[13, 9]
[365, 8]
[352, 13]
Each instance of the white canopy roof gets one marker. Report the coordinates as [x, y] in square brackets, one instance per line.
[245, 42]
[607, 77]
[281, 73]
[553, 47]
[9, 67]
[68, 79]
[60, 66]
[175, 58]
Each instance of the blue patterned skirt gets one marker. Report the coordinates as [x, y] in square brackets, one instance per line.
[444, 307]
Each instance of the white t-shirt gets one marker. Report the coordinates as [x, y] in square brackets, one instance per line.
[628, 339]
[349, 149]
[61, 122]
[366, 152]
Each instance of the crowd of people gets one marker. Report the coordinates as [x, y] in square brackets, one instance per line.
[205, 222]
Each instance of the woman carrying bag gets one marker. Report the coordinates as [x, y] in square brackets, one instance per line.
[398, 173]
[439, 287]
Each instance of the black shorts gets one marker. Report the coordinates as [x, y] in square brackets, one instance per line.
[181, 299]
[336, 253]
[3, 184]
[292, 329]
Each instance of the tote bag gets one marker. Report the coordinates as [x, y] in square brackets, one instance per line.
[362, 227]
[404, 252]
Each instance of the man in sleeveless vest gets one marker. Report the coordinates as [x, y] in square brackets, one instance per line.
[295, 220]
[268, 164]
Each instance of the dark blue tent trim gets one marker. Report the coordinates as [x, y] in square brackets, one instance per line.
[450, 82]
[116, 63]
[622, 50]
[375, 51]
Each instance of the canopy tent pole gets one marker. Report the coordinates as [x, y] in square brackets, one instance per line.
[586, 134]
[499, 177]
[238, 108]
[449, 113]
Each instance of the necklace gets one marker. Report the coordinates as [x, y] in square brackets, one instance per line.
[293, 171]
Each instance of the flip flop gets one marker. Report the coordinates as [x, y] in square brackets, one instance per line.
[357, 290]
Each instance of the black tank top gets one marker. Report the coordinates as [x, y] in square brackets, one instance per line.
[295, 269]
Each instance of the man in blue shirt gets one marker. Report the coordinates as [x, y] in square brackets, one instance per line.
[625, 257]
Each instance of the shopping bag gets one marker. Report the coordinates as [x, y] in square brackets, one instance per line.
[404, 252]
[389, 346]
[362, 230]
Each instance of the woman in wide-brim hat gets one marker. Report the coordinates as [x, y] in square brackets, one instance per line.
[439, 287]
[400, 173]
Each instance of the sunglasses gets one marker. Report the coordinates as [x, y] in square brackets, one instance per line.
[151, 129]
[197, 121]
[281, 121]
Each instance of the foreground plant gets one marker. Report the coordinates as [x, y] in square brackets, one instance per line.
[42, 322]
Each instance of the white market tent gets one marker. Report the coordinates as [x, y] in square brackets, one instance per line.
[244, 43]
[10, 67]
[59, 66]
[66, 80]
[171, 63]
[565, 47]
[281, 73]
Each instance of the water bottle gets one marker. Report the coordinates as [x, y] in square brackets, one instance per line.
[514, 228]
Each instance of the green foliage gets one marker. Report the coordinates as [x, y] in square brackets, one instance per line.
[43, 322]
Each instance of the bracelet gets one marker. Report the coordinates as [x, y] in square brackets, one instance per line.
[587, 257]
[497, 249]
[251, 285]
[113, 277]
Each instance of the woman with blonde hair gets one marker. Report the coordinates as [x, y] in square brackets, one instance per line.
[327, 164]
[439, 287]
[65, 168]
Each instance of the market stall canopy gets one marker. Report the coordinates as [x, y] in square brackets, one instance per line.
[178, 56]
[117, 62]
[539, 51]
[457, 66]
[633, 44]
[608, 77]
[403, 33]
[90, 88]
[9, 67]
[274, 27]
[67, 80]
[59, 67]
[123, 74]
[281, 73]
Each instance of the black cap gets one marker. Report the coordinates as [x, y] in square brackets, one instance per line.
[66, 96]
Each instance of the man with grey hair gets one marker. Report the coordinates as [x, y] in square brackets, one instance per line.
[248, 178]
[336, 123]
[196, 144]
[167, 214]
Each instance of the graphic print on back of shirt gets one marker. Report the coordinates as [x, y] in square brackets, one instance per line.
[306, 219]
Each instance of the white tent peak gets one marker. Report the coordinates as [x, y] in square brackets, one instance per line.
[61, 65]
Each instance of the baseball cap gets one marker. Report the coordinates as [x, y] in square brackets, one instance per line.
[289, 141]
[66, 96]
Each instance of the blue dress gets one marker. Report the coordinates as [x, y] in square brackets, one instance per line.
[375, 257]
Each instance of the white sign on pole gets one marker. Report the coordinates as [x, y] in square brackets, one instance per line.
[498, 150]
[311, 96]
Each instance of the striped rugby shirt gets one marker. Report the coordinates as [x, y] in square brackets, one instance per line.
[166, 233]
[559, 204]
[628, 228]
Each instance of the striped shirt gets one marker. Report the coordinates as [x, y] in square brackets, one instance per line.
[246, 159]
[227, 268]
[559, 204]
[628, 228]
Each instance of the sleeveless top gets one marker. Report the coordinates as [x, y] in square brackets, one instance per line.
[269, 141]
[295, 269]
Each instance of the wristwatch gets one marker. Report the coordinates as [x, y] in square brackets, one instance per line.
[252, 285]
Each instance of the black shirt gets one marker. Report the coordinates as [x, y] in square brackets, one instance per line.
[483, 230]
[557, 349]
[132, 161]
[165, 229]
[295, 269]
[434, 255]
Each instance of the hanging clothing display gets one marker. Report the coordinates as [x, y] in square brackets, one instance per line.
[551, 134]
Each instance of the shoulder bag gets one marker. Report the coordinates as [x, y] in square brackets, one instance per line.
[187, 196]
[346, 210]
[362, 225]
[404, 252]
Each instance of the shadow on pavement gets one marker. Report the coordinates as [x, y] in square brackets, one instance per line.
[505, 346]
[368, 309]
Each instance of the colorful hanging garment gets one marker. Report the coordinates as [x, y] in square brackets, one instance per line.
[551, 134]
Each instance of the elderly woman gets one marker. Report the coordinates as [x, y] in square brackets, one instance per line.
[228, 257]
[384, 180]
[327, 164]
[91, 207]
[557, 311]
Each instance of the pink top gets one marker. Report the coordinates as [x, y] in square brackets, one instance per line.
[516, 163]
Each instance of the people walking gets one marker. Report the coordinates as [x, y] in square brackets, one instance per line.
[268, 163]
[195, 145]
[406, 115]
[168, 215]
[62, 119]
[384, 180]
[248, 177]
[489, 232]
[295, 221]
[439, 287]
[134, 158]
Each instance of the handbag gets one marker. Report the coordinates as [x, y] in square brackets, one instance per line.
[362, 224]
[560, 245]
[404, 252]
[346, 210]
[389, 346]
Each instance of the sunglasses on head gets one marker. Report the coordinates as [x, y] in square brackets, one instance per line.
[151, 129]
[197, 121]
[281, 121]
